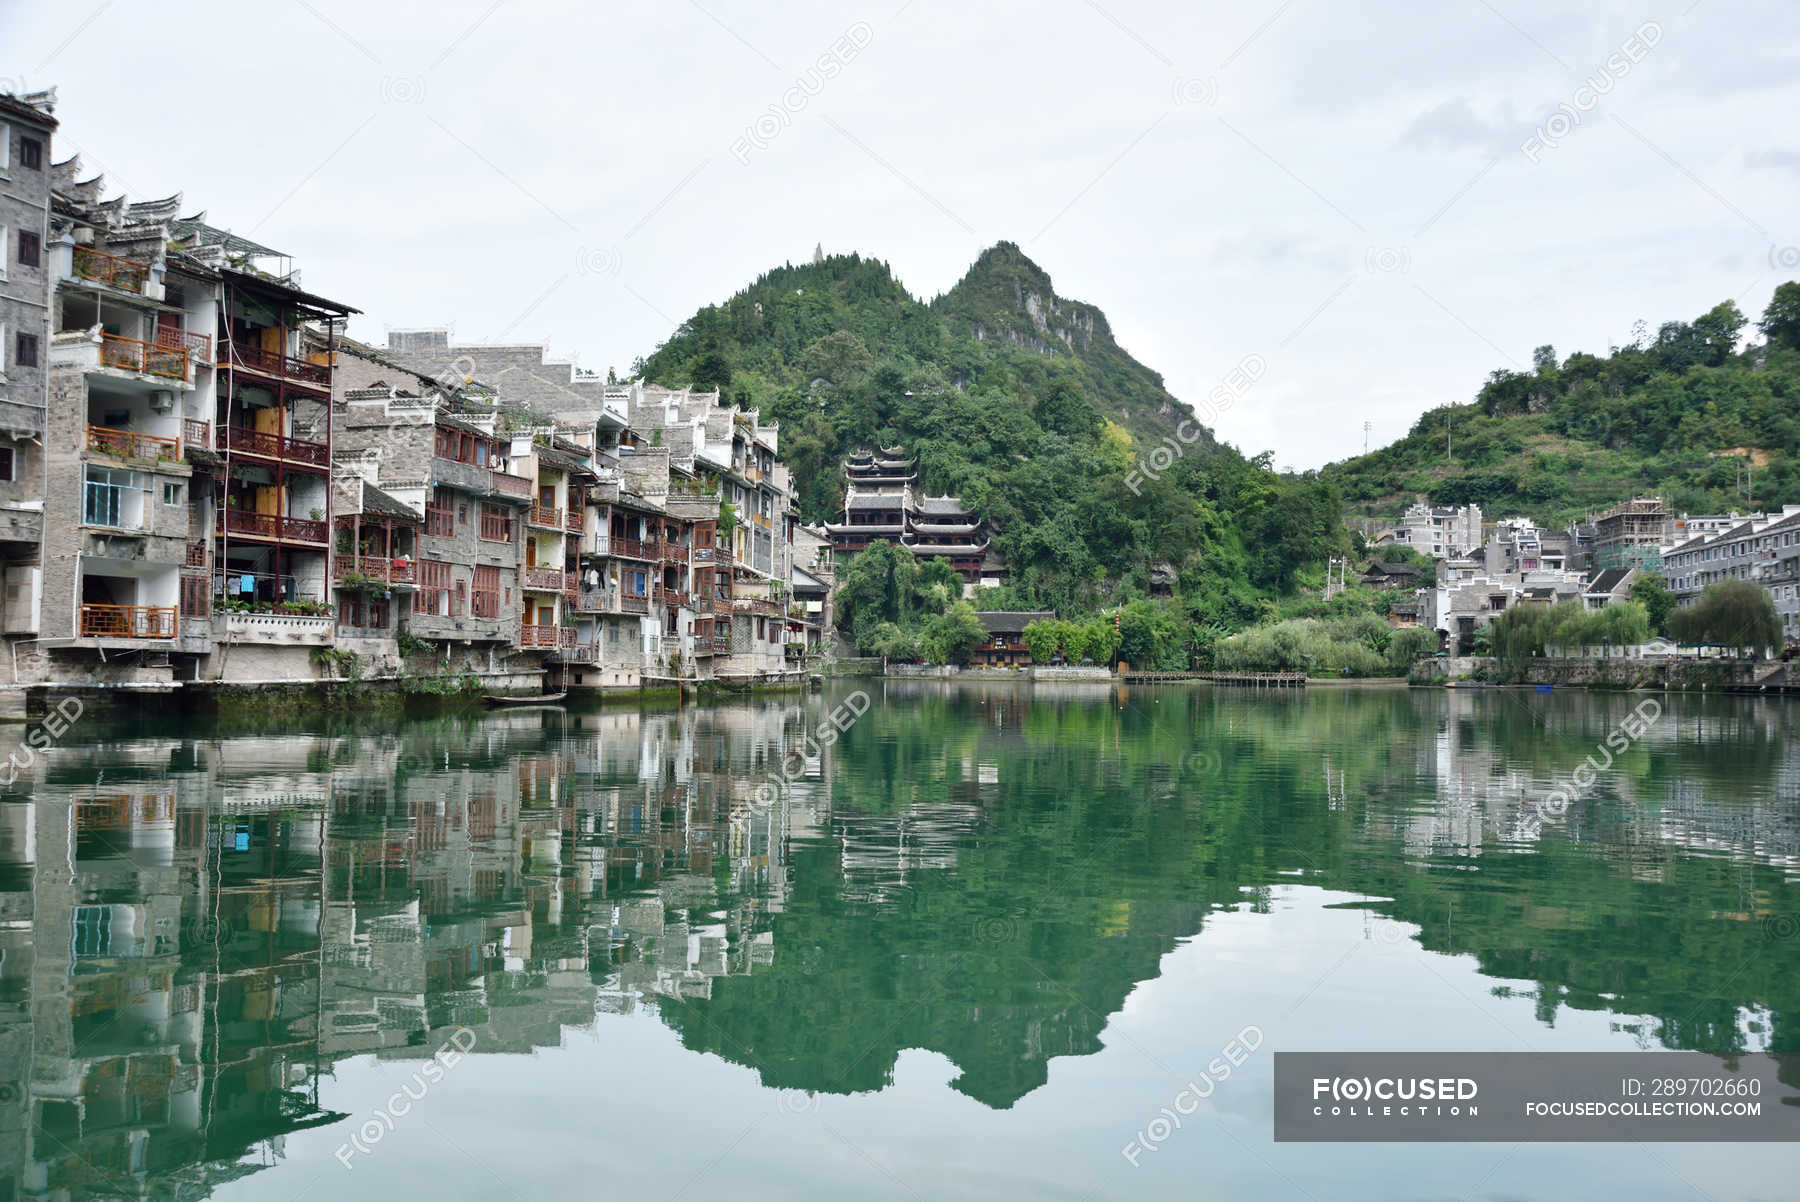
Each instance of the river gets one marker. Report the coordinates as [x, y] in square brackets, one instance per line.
[910, 941]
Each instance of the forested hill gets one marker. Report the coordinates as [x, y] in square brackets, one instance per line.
[1682, 413]
[1022, 402]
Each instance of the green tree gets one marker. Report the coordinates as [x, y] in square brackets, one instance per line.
[952, 636]
[1657, 600]
[1731, 613]
[1780, 322]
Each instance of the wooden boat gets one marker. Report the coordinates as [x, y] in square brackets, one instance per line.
[540, 699]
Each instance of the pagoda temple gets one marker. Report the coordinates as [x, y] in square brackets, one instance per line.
[883, 500]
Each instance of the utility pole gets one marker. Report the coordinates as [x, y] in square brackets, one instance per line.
[1447, 453]
[1368, 427]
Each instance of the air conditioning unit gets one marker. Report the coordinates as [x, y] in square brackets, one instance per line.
[162, 400]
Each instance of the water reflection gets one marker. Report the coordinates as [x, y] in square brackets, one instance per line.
[194, 930]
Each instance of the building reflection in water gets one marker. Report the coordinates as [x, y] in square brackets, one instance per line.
[193, 932]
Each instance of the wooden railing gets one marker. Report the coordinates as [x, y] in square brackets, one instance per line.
[550, 579]
[272, 525]
[576, 521]
[629, 548]
[674, 552]
[668, 596]
[274, 363]
[128, 275]
[376, 567]
[144, 358]
[198, 346]
[129, 445]
[512, 486]
[128, 621]
[196, 433]
[631, 604]
[273, 446]
[545, 515]
[546, 636]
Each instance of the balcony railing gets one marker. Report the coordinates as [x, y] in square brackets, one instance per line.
[631, 604]
[512, 486]
[580, 653]
[668, 596]
[128, 621]
[144, 358]
[245, 441]
[627, 548]
[674, 552]
[594, 602]
[575, 521]
[272, 525]
[543, 579]
[376, 567]
[274, 363]
[129, 445]
[196, 433]
[703, 554]
[127, 275]
[546, 636]
[546, 516]
[196, 556]
[198, 346]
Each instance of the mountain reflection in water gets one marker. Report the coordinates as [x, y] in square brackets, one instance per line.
[196, 926]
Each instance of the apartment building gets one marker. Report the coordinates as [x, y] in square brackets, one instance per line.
[680, 457]
[1440, 531]
[27, 127]
[1762, 548]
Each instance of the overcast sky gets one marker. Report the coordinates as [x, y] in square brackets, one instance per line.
[1342, 189]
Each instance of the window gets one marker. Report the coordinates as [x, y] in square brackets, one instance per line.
[434, 584]
[486, 597]
[171, 493]
[496, 524]
[114, 498]
[25, 350]
[30, 248]
[31, 154]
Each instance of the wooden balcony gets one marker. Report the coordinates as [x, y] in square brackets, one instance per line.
[273, 526]
[143, 358]
[276, 364]
[576, 521]
[546, 636]
[197, 346]
[545, 516]
[128, 445]
[547, 580]
[579, 653]
[668, 596]
[196, 433]
[629, 604]
[512, 486]
[628, 548]
[127, 275]
[128, 621]
[674, 553]
[375, 567]
[242, 441]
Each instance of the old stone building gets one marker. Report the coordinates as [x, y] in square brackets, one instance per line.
[26, 129]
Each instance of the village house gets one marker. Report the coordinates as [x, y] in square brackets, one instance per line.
[1005, 646]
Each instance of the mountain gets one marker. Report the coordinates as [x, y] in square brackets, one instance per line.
[1022, 402]
[1008, 300]
[1684, 413]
